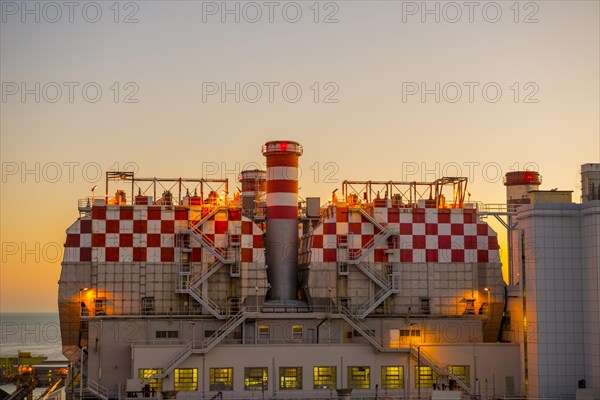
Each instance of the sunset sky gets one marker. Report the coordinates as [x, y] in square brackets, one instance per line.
[375, 90]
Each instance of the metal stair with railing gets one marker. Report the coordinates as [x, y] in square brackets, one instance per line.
[364, 251]
[373, 275]
[170, 365]
[354, 322]
[98, 390]
[212, 212]
[221, 333]
[418, 354]
[207, 273]
[189, 347]
[369, 217]
[365, 309]
[205, 301]
[225, 255]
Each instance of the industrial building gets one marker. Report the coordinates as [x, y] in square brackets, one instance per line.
[170, 287]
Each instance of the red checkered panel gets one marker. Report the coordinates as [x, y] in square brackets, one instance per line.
[147, 234]
[425, 235]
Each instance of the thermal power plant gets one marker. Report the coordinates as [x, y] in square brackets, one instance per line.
[170, 288]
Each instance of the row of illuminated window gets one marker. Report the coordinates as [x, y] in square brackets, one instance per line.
[290, 378]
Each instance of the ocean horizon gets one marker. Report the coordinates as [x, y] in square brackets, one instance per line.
[37, 333]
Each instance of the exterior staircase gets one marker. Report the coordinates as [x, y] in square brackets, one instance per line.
[373, 275]
[419, 354]
[365, 309]
[358, 325]
[222, 332]
[189, 347]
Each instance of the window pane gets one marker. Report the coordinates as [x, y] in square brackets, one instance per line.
[426, 378]
[392, 377]
[297, 332]
[221, 379]
[155, 383]
[462, 372]
[324, 377]
[359, 377]
[263, 334]
[256, 378]
[290, 378]
[186, 379]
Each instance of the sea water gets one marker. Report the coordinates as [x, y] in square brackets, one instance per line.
[37, 333]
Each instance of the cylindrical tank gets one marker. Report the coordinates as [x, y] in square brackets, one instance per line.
[254, 186]
[518, 184]
[282, 218]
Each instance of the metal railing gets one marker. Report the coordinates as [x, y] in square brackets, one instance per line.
[100, 391]
[356, 255]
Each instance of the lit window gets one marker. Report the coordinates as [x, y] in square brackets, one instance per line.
[263, 334]
[461, 372]
[426, 378]
[290, 378]
[324, 377]
[392, 377]
[256, 378]
[186, 379]
[221, 379]
[155, 383]
[297, 332]
[359, 378]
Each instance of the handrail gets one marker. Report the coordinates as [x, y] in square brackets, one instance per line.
[380, 296]
[98, 389]
[209, 304]
[354, 258]
[215, 210]
[368, 216]
[201, 278]
[356, 324]
[224, 330]
[423, 356]
[222, 254]
[372, 274]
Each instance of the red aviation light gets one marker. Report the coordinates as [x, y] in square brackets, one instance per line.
[522, 178]
[282, 146]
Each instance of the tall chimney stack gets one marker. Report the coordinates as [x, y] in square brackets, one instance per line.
[282, 219]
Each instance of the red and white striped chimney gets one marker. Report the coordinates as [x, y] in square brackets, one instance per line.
[282, 218]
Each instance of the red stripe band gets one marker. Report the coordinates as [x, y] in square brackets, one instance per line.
[282, 212]
[282, 186]
[282, 160]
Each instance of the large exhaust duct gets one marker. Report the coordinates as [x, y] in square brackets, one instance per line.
[282, 219]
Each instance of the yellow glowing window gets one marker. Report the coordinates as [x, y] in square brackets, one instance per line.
[425, 377]
[461, 372]
[221, 379]
[186, 379]
[392, 377]
[290, 378]
[256, 378]
[324, 377]
[359, 377]
[297, 332]
[155, 383]
[263, 333]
